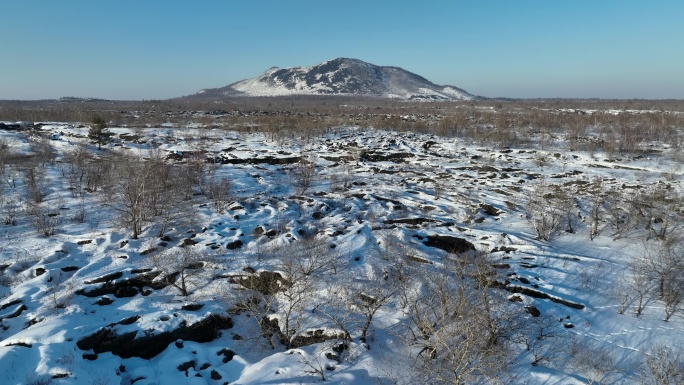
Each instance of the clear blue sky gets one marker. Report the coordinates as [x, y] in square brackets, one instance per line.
[139, 49]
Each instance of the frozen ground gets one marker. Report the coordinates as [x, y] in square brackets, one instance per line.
[374, 202]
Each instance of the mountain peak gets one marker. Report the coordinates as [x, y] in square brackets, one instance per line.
[341, 76]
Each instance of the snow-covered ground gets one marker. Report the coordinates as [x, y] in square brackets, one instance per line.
[374, 203]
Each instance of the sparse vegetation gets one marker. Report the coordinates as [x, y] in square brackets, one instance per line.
[509, 241]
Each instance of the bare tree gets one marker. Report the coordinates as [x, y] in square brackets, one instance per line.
[169, 193]
[663, 366]
[660, 207]
[37, 185]
[622, 292]
[546, 209]
[141, 191]
[217, 189]
[42, 219]
[640, 284]
[454, 333]
[284, 302]
[297, 296]
[43, 151]
[368, 297]
[303, 173]
[74, 171]
[620, 213]
[257, 302]
[593, 194]
[129, 189]
[664, 263]
[594, 361]
[179, 266]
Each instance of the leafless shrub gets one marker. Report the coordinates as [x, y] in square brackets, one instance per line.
[594, 361]
[44, 220]
[141, 191]
[456, 324]
[662, 264]
[37, 187]
[303, 173]
[622, 292]
[639, 284]
[547, 209]
[43, 151]
[663, 366]
[180, 267]
[542, 336]
[9, 209]
[218, 190]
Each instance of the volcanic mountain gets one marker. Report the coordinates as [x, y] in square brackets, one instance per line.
[340, 76]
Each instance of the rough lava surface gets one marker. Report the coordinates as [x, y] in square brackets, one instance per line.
[86, 306]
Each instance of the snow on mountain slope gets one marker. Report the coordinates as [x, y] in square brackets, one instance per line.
[341, 76]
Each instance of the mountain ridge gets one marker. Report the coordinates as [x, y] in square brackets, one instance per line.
[340, 76]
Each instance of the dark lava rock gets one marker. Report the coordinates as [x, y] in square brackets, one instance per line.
[188, 242]
[22, 344]
[10, 303]
[106, 278]
[104, 301]
[128, 321]
[524, 280]
[234, 245]
[307, 338]
[227, 354]
[490, 210]
[16, 313]
[67, 269]
[409, 221]
[396, 157]
[316, 336]
[449, 244]
[147, 346]
[538, 294]
[32, 322]
[195, 265]
[505, 249]
[192, 306]
[127, 287]
[40, 271]
[271, 160]
[148, 251]
[266, 282]
[533, 311]
[515, 298]
[418, 259]
[184, 367]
